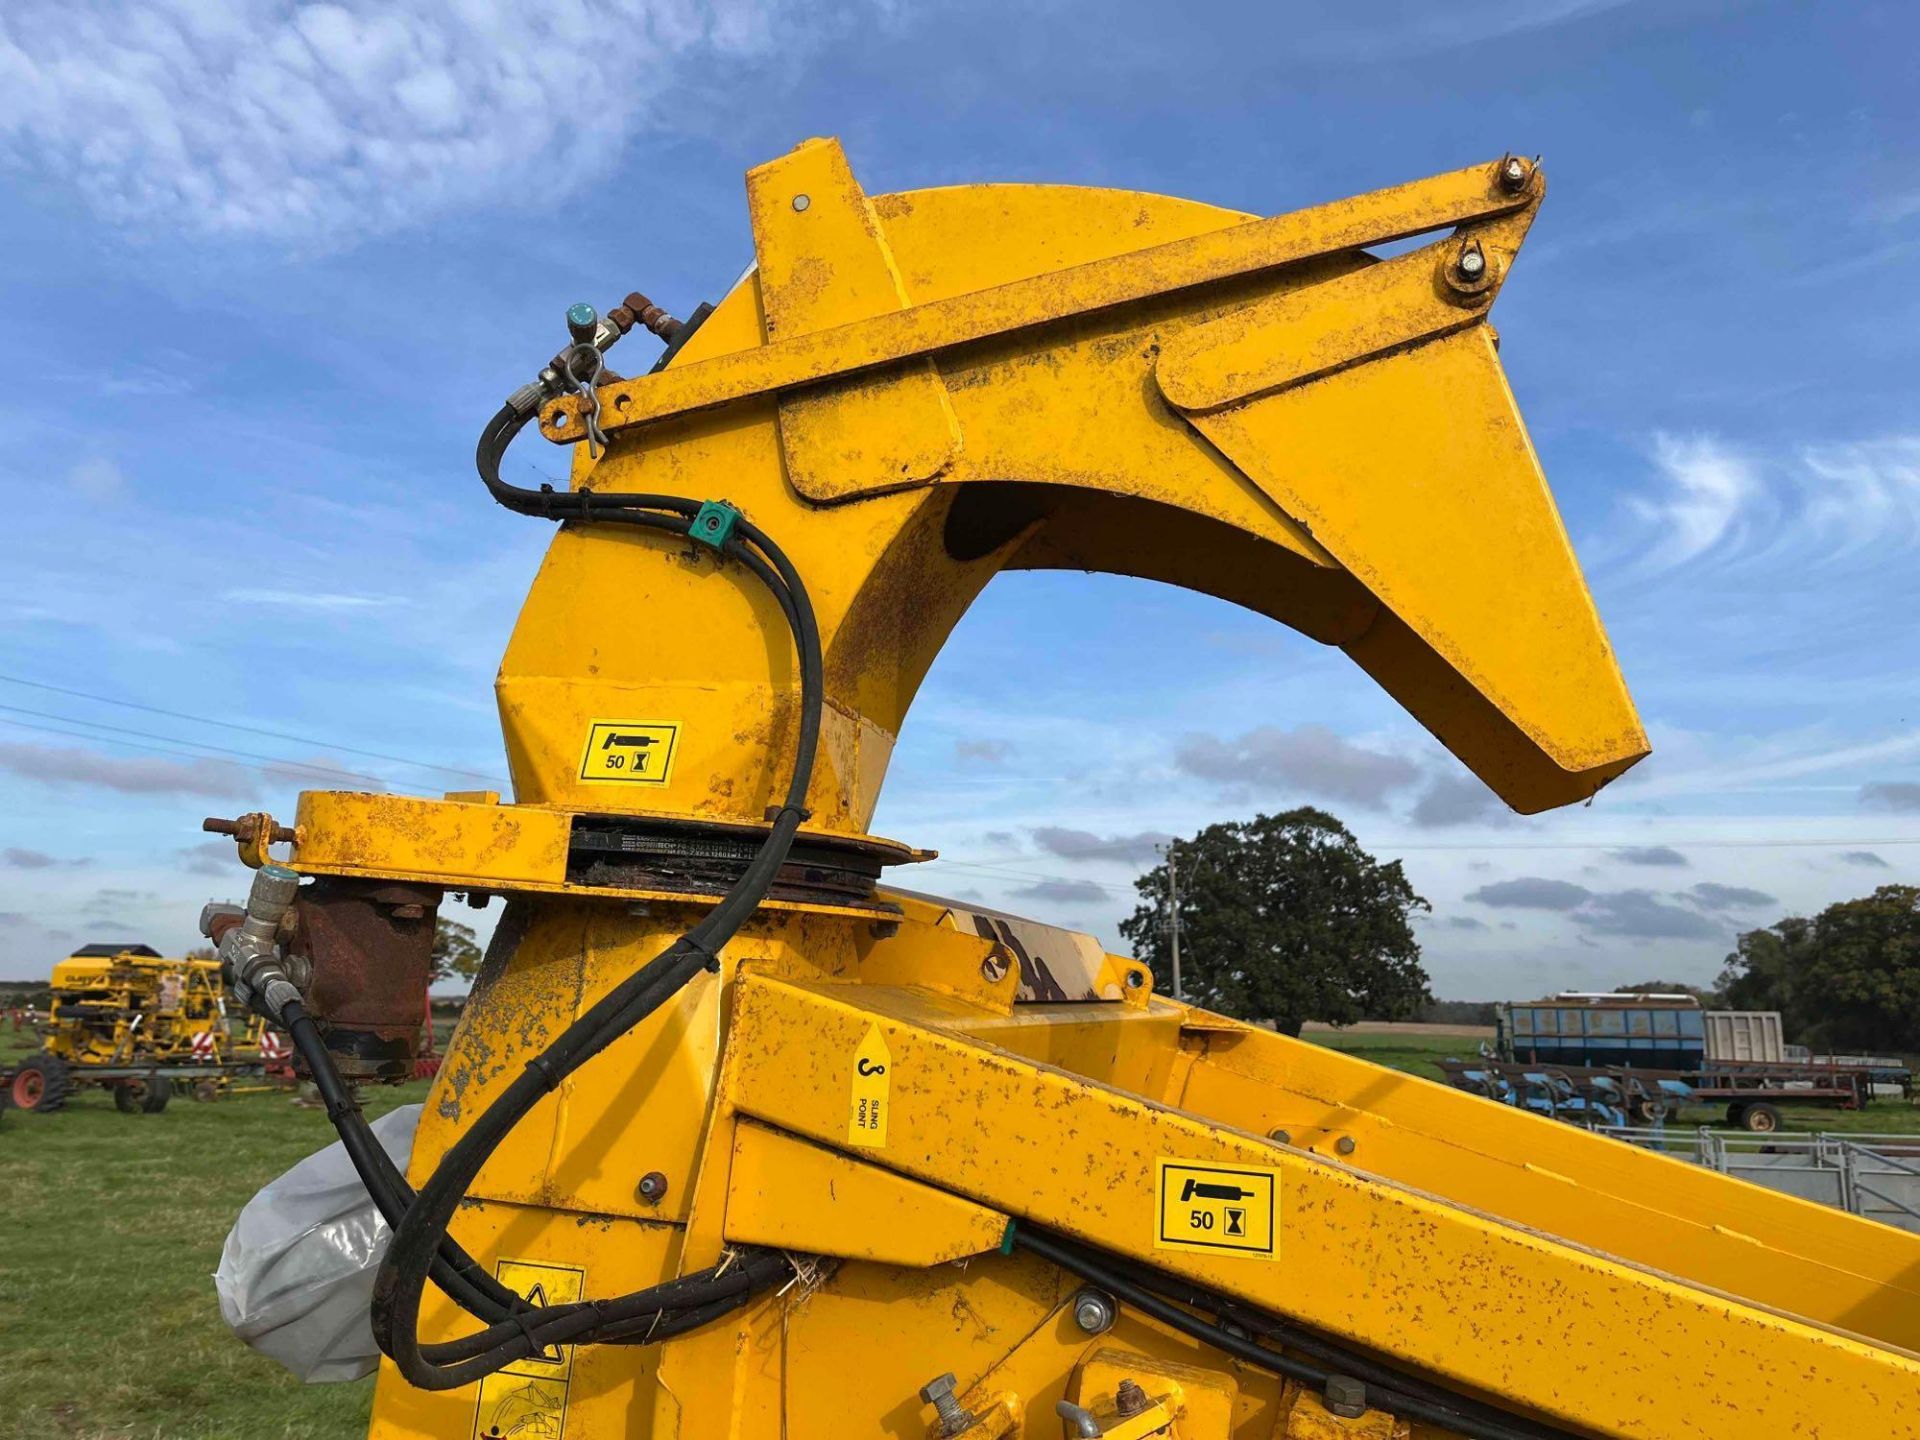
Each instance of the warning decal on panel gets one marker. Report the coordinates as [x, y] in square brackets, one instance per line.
[1203, 1206]
[629, 752]
[528, 1399]
[872, 1080]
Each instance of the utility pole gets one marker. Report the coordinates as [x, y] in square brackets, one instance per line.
[1173, 911]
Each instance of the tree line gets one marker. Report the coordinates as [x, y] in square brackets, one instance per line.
[1285, 918]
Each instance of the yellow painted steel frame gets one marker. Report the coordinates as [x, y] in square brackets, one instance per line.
[911, 393]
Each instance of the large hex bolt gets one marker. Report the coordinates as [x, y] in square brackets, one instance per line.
[1094, 1311]
[1346, 1397]
[1130, 1400]
[955, 1418]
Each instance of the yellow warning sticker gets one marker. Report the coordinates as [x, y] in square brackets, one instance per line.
[1211, 1207]
[629, 752]
[528, 1399]
[872, 1081]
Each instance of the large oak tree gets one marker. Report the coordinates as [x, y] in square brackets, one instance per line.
[1285, 918]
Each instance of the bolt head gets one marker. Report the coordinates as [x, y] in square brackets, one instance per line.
[1345, 1145]
[1346, 1396]
[801, 202]
[937, 1389]
[1093, 1312]
[652, 1187]
[1473, 264]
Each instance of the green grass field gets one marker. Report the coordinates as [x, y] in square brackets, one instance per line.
[111, 1226]
[110, 1230]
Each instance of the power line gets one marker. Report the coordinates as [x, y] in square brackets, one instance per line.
[196, 744]
[249, 729]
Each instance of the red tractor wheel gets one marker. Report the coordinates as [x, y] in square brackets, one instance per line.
[41, 1083]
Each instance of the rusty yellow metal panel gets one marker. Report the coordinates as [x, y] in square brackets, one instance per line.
[795, 1196]
[1767, 1248]
[1067, 454]
[1437, 513]
[1495, 1308]
[352, 833]
[824, 262]
[1076, 290]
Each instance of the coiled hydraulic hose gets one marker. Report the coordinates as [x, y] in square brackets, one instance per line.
[421, 1249]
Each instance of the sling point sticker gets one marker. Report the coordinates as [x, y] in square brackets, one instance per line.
[871, 1095]
[1211, 1207]
[629, 752]
[528, 1399]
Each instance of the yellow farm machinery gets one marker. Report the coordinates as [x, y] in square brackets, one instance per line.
[734, 1140]
[127, 1019]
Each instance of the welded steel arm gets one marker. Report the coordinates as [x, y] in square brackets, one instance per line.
[918, 391]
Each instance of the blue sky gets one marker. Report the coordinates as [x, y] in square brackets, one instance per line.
[268, 267]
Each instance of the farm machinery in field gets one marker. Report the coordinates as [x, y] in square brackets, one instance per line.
[126, 1019]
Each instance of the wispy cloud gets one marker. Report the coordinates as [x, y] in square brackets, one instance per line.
[1457, 800]
[1722, 504]
[1311, 760]
[310, 599]
[991, 752]
[130, 775]
[1140, 848]
[1900, 796]
[325, 122]
[1711, 496]
[1657, 855]
[1064, 892]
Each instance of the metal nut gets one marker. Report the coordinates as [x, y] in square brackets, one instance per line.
[1514, 173]
[1285, 1137]
[1472, 262]
[652, 1187]
[1346, 1144]
[1346, 1397]
[801, 202]
[1094, 1311]
[1129, 1400]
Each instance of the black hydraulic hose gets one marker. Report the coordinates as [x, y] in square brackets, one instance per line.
[454, 1271]
[1449, 1416]
[416, 1253]
[1340, 1359]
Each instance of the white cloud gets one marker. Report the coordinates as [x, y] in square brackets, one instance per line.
[308, 599]
[1310, 759]
[322, 122]
[1815, 505]
[130, 775]
[1864, 493]
[1711, 490]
